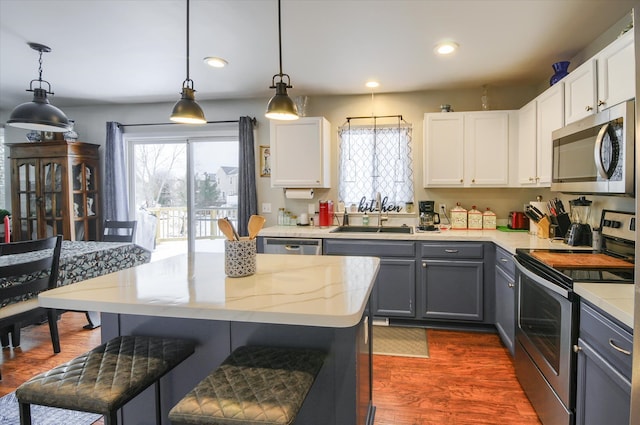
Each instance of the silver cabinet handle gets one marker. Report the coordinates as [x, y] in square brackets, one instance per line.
[615, 347]
[511, 285]
[577, 348]
[504, 260]
[451, 251]
[424, 264]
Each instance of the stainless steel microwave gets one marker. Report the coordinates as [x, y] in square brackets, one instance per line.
[596, 154]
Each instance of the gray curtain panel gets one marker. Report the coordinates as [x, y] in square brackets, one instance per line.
[115, 198]
[247, 196]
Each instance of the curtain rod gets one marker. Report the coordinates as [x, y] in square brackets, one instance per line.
[253, 121]
[375, 117]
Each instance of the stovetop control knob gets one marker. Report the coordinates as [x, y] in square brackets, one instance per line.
[616, 224]
[606, 223]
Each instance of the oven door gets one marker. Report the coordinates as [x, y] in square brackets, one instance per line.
[547, 330]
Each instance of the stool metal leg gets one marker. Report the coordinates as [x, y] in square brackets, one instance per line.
[25, 414]
[111, 418]
[158, 406]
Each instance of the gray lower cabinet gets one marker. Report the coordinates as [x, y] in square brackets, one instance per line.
[604, 349]
[505, 298]
[394, 293]
[452, 284]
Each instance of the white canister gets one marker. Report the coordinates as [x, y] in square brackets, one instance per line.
[489, 220]
[474, 219]
[303, 219]
[458, 217]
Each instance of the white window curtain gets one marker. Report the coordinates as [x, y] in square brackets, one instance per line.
[376, 159]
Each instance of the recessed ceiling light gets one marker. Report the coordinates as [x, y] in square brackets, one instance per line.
[372, 84]
[446, 47]
[215, 62]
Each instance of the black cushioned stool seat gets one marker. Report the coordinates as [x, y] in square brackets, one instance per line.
[255, 385]
[105, 378]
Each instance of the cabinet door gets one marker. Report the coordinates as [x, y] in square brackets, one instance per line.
[54, 198]
[505, 308]
[452, 290]
[25, 199]
[580, 92]
[395, 289]
[86, 201]
[300, 153]
[527, 144]
[487, 148]
[443, 149]
[603, 394]
[616, 72]
[550, 117]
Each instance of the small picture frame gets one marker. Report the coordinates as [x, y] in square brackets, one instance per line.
[265, 161]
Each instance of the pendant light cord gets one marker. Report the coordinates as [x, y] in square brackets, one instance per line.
[280, 37]
[188, 79]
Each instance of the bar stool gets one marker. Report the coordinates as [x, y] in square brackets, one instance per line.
[254, 385]
[105, 378]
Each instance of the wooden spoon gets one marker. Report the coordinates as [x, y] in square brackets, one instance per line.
[225, 227]
[255, 225]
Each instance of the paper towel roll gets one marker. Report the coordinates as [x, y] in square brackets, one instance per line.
[298, 193]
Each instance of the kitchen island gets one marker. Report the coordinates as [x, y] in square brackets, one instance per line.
[314, 301]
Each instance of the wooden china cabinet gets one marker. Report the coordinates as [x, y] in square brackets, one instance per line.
[55, 190]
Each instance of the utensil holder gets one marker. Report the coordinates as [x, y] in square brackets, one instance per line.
[240, 257]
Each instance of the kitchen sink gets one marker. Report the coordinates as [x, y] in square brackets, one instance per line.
[373, 229]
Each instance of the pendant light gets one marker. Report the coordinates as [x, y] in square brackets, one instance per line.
[281, 107]
[186, 110]
[39, 114]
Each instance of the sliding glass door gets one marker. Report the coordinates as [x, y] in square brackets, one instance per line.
[183, 186]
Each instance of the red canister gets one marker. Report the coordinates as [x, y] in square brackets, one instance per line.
[326, 213]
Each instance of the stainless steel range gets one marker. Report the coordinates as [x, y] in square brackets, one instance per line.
[547, 312]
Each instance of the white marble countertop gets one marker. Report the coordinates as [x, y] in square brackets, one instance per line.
[325, 291]
[507, 240]
[615, 299]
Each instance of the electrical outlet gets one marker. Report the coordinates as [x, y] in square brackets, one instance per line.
[266, 207]
[443, 208]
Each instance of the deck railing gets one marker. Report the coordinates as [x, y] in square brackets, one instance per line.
[172, 222]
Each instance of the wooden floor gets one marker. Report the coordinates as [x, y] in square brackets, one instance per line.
[468, 379]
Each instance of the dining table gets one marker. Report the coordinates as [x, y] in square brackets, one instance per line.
[82, 260]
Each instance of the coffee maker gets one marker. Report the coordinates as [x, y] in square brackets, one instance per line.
[579, 233]
[428, 217]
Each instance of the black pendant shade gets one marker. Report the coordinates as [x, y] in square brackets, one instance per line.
[186, 110]
[281, 107]
[39, 114]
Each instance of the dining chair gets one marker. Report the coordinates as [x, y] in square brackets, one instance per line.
[32, 268]
[119, 231]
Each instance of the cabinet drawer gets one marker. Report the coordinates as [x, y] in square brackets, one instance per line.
[605, 335]
[460, 250]
[504, 260]
[369, 248]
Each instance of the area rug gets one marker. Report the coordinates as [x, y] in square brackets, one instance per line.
[42, 415]
[400, 341]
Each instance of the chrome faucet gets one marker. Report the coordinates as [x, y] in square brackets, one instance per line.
[379, 206]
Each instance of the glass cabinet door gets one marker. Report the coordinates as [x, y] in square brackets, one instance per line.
[53, 205]
[85, 200]
[26, 226]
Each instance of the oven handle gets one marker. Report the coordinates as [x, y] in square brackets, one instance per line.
[540, 281]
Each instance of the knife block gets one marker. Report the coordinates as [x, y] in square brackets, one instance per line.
[544, 226]
[563, 223]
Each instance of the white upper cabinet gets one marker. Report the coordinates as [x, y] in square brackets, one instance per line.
[537, 121]
[616, 72]
[444, 149]
[300, 153]
[603, 81]
[466, 149]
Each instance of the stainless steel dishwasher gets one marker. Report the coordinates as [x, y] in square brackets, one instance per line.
[292, 246]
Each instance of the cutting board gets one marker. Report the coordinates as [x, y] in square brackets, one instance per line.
[565, 260]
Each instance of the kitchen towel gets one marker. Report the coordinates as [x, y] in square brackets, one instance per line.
[298, 193]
